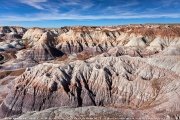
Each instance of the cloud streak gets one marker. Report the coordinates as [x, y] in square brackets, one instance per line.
[34, 3]
[167, 3]
[57, 16]
[90, 10]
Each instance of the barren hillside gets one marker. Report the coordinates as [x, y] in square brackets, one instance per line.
[130, 71]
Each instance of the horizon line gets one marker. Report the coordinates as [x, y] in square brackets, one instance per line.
[175, 23]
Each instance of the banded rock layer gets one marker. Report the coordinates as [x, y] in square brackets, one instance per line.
[120, 82]
[71, 40]
[132, 70]
[11, 33]
[43, 50]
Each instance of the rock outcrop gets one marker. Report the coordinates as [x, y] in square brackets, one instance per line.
[120, 82]
[10, 38]
[121, 71]
[76, 39]
[91, 112]
[11, 33]
[44, 48]
[10, 46]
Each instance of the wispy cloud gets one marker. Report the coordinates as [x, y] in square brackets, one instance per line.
[82, 4]
[89, 10]
[70, 2]
[57, 16]
[55, 6]
[34, 3]
[167, 3]
[133, 3]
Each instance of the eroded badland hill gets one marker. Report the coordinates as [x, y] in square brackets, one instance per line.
[130, 71]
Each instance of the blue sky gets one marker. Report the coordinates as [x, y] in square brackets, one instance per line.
[57, 13]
